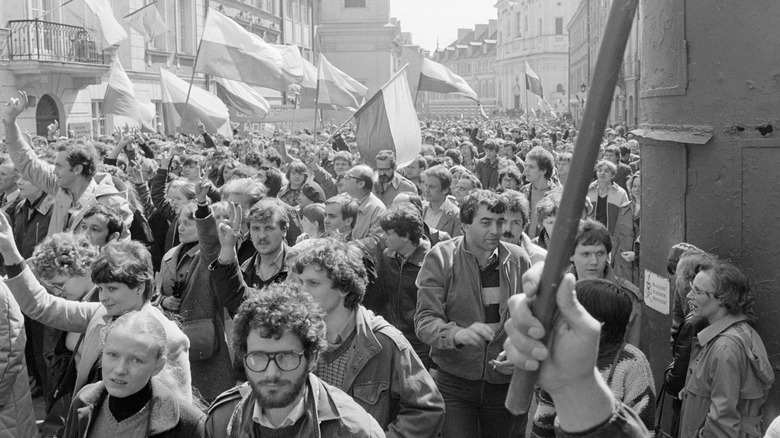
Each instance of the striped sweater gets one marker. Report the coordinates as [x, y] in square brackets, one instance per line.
[632, 383]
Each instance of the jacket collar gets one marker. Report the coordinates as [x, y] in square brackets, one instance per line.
[718, 327]
[163, 414]
[418, 255]
[367, 344]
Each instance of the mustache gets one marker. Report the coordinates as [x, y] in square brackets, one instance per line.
[508, 235]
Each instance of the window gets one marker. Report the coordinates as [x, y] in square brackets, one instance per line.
[288, 9]
[98, 118]
[559, 25]
[164, 42]
[40, 7]
[518, 30]
[354, 3]
[306, 12]
[540, 26]
[559, 88]
[186, 27]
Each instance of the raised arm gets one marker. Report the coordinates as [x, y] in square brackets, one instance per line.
[33, 299]
[23, 156]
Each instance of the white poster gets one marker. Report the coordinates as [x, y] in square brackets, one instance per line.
[657, 292]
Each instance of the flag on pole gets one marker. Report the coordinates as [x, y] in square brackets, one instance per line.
[292, 61]
[122, 100]
[147, 21]
[229, 51]
[97, 16]
[439, 79]
[532, 81]
[336, 90]
[389, 121]
[202, 105]
[242, 97]
[308, 91]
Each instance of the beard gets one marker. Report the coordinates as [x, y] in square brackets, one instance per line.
[279, 396]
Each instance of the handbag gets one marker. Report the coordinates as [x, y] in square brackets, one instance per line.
[203, 338]
[659, 409]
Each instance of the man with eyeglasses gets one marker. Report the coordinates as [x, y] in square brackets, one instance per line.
[391, 183]
[280, 334]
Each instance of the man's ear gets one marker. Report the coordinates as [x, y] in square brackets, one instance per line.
[77, 169]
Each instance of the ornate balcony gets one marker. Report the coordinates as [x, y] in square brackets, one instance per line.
[35, 40]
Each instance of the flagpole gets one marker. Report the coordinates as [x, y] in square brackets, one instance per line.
[139, 10]
[192, 79]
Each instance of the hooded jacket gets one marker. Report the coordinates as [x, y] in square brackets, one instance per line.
[729, 377]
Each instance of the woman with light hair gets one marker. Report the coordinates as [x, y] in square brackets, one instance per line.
[130, 399]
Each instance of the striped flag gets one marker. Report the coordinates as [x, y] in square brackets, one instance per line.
[308, 92]
[532, 81]
[243, 98]
[229, 51]
[389, 121]
[202, 105]
[336, 90]
[147, 21]
[439, 79]
[121, 99]
[97, 16]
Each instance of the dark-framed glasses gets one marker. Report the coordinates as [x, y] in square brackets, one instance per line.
[258, 361]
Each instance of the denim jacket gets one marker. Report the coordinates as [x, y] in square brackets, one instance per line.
[447, 303]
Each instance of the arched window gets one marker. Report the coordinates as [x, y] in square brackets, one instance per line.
[559, 88]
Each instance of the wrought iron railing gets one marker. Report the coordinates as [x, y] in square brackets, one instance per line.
[47, 41]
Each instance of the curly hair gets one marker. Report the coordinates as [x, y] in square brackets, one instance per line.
[609, 304]
[85, 156]
[128, 263]
[64, 254]
[279, 308]
[344, 264]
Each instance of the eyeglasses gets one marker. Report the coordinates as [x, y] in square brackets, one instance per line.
[698, 291]
[385, 170]
[258, 361]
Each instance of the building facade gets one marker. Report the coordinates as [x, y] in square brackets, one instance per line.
[64, 71]
[360, 38]
[586, 30]
[533, 31]
[473, 57]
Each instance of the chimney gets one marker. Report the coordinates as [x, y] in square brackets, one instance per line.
[492, 26]
[479, 30]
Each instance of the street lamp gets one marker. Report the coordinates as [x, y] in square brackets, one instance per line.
[583, 87]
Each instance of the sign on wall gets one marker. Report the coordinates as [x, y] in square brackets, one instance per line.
[657, 292]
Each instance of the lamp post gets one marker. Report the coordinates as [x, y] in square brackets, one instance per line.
[584, 91]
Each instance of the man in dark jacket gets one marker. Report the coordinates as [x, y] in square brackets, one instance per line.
[464, 285]
[280, 334]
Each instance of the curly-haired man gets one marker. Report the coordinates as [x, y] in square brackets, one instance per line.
[367, 357]
[280, 334]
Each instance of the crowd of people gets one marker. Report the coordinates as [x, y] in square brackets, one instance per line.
[282, 286]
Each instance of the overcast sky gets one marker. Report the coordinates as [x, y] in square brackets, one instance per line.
[429, 19]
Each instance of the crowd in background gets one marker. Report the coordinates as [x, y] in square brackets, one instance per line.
[151, 268]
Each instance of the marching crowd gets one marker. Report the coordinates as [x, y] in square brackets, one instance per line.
[280, 286]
